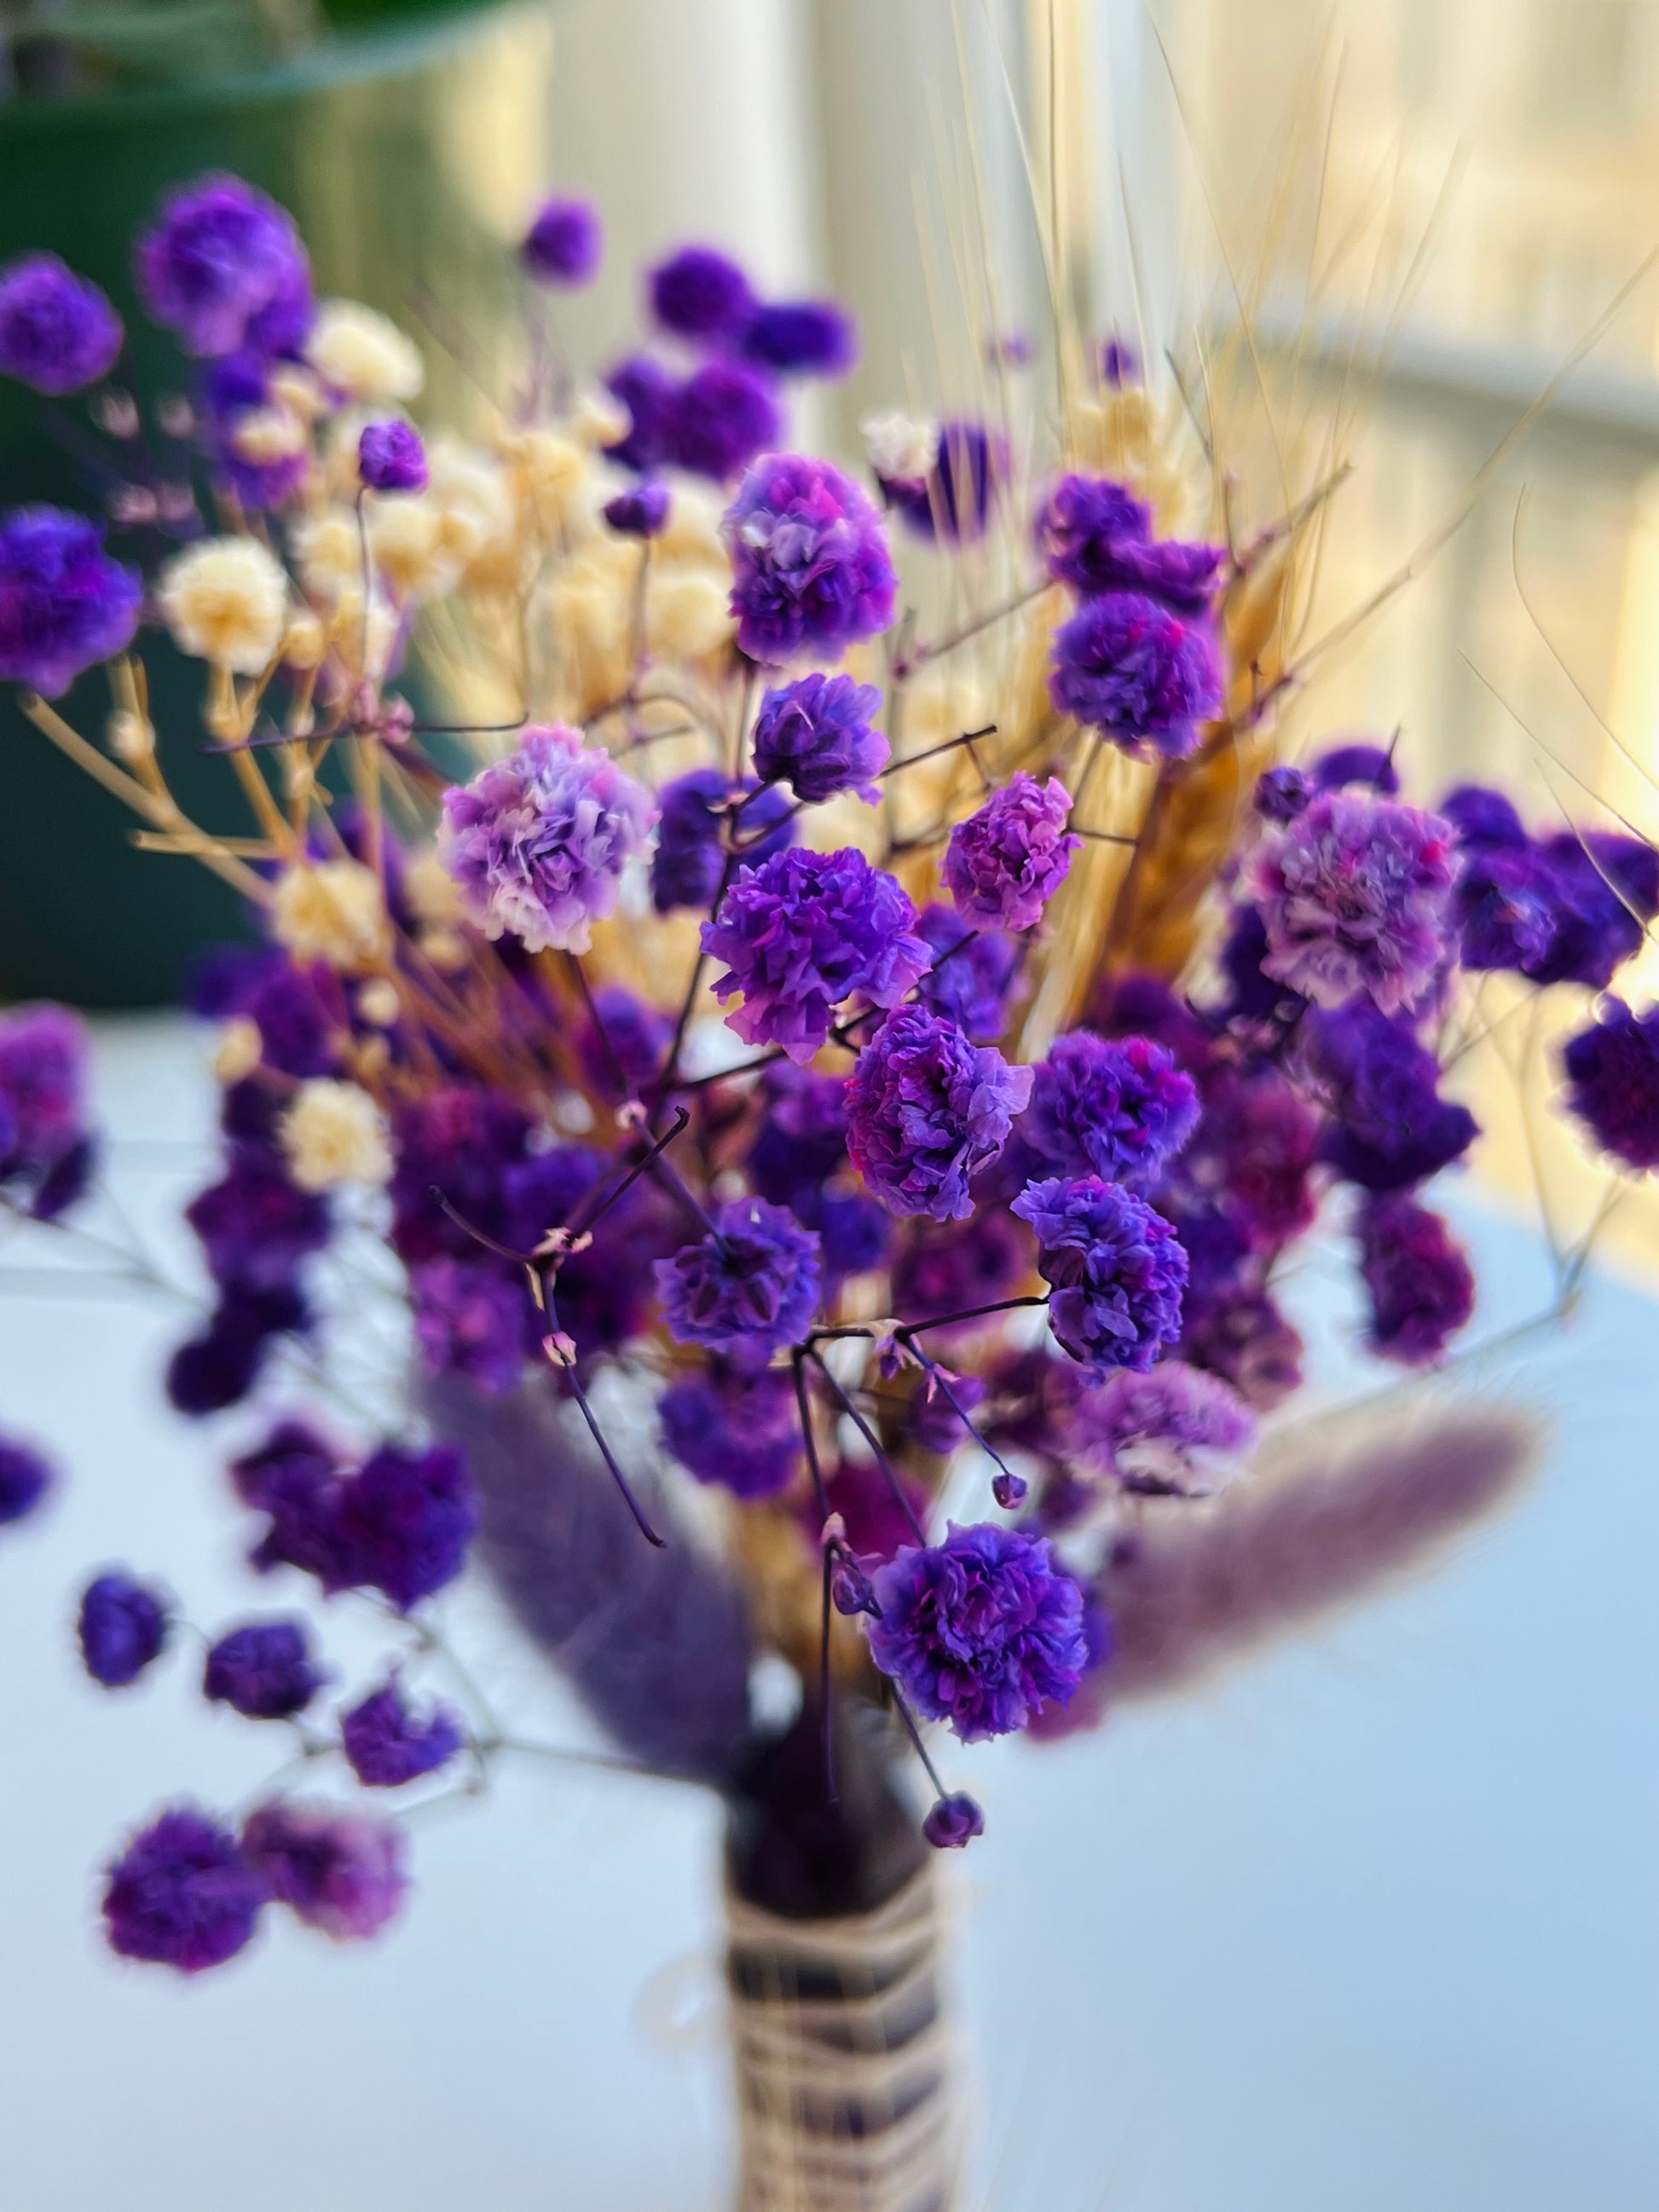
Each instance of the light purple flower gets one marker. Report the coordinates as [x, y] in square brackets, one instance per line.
[388, 1744]
[810, 563]
[1173, 1431]
[1120, 1108]
[563, 244]
[1116, 1268]
[340, 1872]
[1139, 672]
[818, 736]
[926, 1110]
[1420, 1282]
[1004, 863]
[537, 844]
[1355, 894]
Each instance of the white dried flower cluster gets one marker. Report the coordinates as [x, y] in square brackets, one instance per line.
[226, 601]
[331, 910]
[362, 353]
[898, 446]
[240, 1051]
[333, 1133]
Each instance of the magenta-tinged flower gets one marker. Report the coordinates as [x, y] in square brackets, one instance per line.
[1613, 1069]
[1281, 794]
[1355, 894]
[537, 843]
[46, 1149]
[182, 1894]
[264, 1670]
[801, 934]
[1081, 525]
[57, 331]
[980, 1630]
[342, 1874]
[719, 419]
[802, 338]
[1235, 1331]
[1116, 1269]
[701, 294]
[810, 563]
[64, 605]
[123, 1627]
[26, 1476]
[1420, 1282]
[748, 1287]
[388, 1744]
[818, 736]
[953, 1822]
[926, 1110]
[1173, 1431]
[1004, 863]
[391, 457]
[1120, 1108]
[470, 1321]
[738, 1429]
[223, 266]
[565, 243]
[1138, 671]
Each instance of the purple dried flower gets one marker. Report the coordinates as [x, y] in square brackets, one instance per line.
[64, 605]
[1358, 762]
[972, 974]
[689, 861]
[802, 338]
[228, 391]
[1119, 1107]
[1390, 1126]
[1258, 1142]
[1355, 895]
[388, 1744]
[391, 457]
[565, 243]
[1605, 888]
[256, 1226]
[223, 265]
[182, 1894]
[470, 1319]
[1120, 362]
[749, 1288]
[1508, 905]
[1236, 1332]
[220, 1366]
[818, 736]
[26, 1476]
[811, 568]
[1482, 816]
[263, 1670]
[1097, 536]
[955, 499]
[1281, 794]
[636, 1037]
[340, 1872]
[701, 294]
[739, 1430]
[855, 1230]
[801, 934]
[45, 1153]
[642, 511]
[953, 1270]
[57, 331]
[1174, 1430]
[953, 1822]
[926, 1110]
[1421, 1284]
[537, 844]
[1004, 863]
[719, 419]
[1139, 671]
[980, 1630]
[647, 389]
[1116, 1270]
[1613, 1069]
[122, 1627]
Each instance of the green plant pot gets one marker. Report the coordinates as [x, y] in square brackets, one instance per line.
[408, 153]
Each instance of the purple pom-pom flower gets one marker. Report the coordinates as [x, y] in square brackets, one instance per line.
[802, 338]
[748, 1287]
[980, 1630]
[719, 419]
[951, 1823]
[537, 844]
[701, 294]
[388, 1744]
[818, 736]
[391, 458]
[57, 331]
[123, 1627]
[1172, 1431]
[799, 934]
[342, 1874]
[690, 862]
[642, 511]
[469, 1320]
[740, 1430]
[1117, 1271]
[647, 389]
[1004, 863]
[1135, 669]
[263, 1670]
[1120, 1108]
[26, 1476]
[811, 568]
[1613, 1069]
[223, 265]
[64, 605]
[926, 1110]
[972, 974]
[1418, 1277]
[182, 1894]
[562, 245]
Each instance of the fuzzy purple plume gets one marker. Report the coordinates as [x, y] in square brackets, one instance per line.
[656, 1641]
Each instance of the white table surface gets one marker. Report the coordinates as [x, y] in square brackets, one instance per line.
[1373, 1925]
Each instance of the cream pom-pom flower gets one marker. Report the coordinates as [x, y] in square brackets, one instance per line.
[328, 552]
[226, 601]
[360, 353]
[331, 910]
[333, 1133]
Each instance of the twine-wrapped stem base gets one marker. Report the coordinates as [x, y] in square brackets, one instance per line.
[847, 2094]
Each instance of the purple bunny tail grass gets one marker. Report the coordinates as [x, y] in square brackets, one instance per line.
[1340, 1515]
[656, 1641]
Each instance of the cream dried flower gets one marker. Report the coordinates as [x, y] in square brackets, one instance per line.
[266, 434]
[226, 601]
[477, 525]
[304, 643]
[406, 540]
[554, 481]
[598, 418]
[331, 910]
[688, 613]
[240, 1051]
[429, 890]
[328, 552]
[378, 1003]
[362, 353]
[333, 1133]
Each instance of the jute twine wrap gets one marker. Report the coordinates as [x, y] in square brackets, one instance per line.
[847, 2089]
